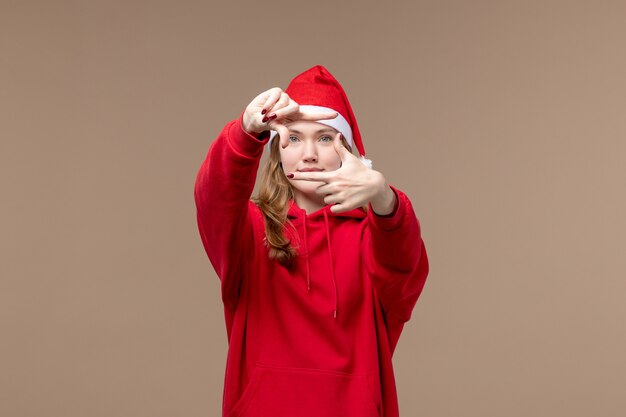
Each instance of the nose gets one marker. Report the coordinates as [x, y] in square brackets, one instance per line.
[309, 153]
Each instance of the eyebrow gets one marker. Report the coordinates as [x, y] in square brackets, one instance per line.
[319, 131]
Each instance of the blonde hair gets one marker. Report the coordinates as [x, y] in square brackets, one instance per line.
[273, 197]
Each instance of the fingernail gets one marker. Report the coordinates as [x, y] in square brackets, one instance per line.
[264, 119]
[289, 175]
[263, 111]
[272, 116]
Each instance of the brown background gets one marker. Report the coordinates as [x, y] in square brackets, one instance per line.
[503, 122]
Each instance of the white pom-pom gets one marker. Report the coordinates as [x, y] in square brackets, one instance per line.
[366, 162]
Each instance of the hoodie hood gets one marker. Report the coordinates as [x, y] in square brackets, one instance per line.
[301, 221]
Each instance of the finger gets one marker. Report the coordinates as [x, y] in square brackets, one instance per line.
[312, 176]
[340, 208]
[283, 134]
[261, 99]
[281, 103]
[318, 116]
[325, 189]
[331, 199]
[274, 95]
[341, 150]
[338, 145]
[276, 126]
[290, 108]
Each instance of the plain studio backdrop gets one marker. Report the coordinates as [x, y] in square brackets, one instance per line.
[504, 122]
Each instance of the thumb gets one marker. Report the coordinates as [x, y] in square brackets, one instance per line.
[341, 150]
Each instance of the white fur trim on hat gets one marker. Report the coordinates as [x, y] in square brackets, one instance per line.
[367, 162]
[339, 123]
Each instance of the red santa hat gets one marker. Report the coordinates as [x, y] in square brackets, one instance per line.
[317, 91]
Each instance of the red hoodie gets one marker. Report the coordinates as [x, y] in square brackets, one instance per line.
[315, 340]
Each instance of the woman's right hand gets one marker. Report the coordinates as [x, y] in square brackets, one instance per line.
[276, 102]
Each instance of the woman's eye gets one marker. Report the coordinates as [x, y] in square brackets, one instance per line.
[293, 137]
[326, 137]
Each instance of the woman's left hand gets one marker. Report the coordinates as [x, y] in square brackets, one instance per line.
[350, 186]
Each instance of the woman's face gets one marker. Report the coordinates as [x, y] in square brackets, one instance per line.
[310, 147]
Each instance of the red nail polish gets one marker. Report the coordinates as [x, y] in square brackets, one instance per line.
[263, 111]
[264, 119]
[272, 116]
[289, 175]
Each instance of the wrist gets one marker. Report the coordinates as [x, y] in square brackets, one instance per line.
[250, 131]
[256, 134]
[246, 128]
[246, 125]
[384, 203]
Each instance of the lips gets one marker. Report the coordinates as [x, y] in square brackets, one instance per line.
[310, 170]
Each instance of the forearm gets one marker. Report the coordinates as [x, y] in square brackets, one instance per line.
[222, 192]
[396, 237]
[228, 173]
[395, 257]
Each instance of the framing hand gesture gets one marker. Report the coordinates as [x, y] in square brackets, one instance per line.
[352, 185]
[274, 108]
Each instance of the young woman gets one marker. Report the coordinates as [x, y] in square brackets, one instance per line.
[321, 270]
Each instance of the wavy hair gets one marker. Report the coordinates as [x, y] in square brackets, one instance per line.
[272, 198]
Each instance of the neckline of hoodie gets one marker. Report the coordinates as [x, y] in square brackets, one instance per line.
[294, 212]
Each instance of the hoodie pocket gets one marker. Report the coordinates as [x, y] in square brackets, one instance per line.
[304, 392]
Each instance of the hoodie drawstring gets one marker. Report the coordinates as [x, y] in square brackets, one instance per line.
[306, 249]
[330, 257]
[330, 260]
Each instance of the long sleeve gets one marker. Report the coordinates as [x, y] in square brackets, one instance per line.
[224, 184]
[396, 260]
